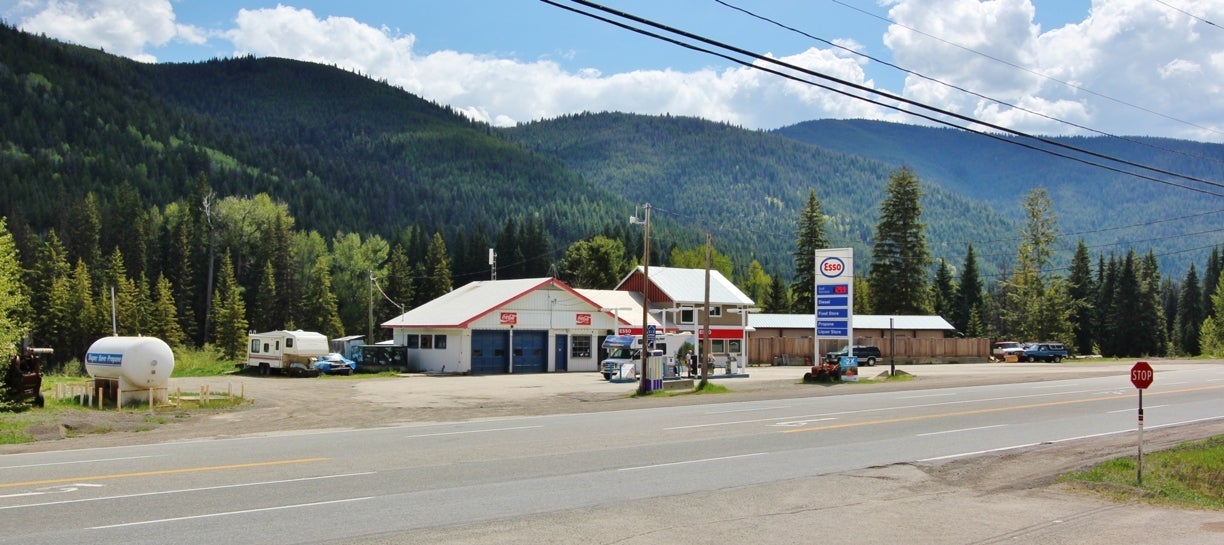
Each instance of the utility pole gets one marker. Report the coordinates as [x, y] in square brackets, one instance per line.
[370, 317]
[643, 384]
[705, 343]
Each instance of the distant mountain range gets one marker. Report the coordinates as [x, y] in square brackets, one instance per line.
[351, 154]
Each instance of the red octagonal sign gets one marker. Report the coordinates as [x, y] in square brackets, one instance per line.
[1141, 375]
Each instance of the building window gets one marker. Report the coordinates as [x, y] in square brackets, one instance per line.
[718, 346]
[688, 316]
[426, 342]
[412, 341]
[715, 311]
[733, 346]
[440, 342]
[580, 347]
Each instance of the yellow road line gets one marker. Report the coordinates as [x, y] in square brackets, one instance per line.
[984, 411]
[161, 472]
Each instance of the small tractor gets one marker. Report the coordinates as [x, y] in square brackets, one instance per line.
[823, 371]
[24, 376]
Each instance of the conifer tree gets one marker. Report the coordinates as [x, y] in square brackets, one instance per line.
[810, 236]
[319, 310]
[968, 295]
[899, 256]
[437, 269]
[1211, 277]
[1083, 291]
[230, 321]
[263, 316]
[778, 301]
[51, 266]
[163, 317]
[1189, 315]
[398, 286]
[943, 293]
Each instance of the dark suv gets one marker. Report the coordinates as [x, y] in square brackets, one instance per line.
[866, 355]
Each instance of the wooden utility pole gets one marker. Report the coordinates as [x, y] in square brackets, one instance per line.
[705, 344]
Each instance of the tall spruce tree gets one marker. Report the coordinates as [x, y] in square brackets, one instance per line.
[14, 300]
[968, 295]
[230, 322]
[1151, 314]
[1189, 314]
[1083, 291]
[778, 301]
[809, 236]
[437, 281]
[319, 311]
[1211, 277]
[899, 256]
[943, 293]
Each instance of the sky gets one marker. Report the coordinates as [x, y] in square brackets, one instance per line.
[1125, 67]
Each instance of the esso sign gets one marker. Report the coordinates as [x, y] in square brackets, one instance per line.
[1142, 375]
[832, 267]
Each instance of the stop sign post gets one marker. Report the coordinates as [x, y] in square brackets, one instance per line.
[1141, 376]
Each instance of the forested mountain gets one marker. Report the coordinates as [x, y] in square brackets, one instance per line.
[747, 187]
[346, 153]
[1089, 202]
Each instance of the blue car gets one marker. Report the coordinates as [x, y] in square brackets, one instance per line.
[335, 364]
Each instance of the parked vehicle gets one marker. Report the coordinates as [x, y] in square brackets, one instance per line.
[1003, 349]
[626, 349]
[1047, 352]
[289, 352]
[335, 364]
[24, 376]
[867, 355]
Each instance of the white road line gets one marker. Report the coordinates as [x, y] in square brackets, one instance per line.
[749, 410]
[811, 417]
[186, 490]
[229, 513]
[1136, 409]
[84, 461]
[925, 395]
[701, 461]
[961, 430]
[975, 453]
[466, 432]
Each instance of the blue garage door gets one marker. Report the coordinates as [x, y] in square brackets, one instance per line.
[530, 352]
[490, 352]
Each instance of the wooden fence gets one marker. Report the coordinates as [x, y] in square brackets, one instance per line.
[795, 351]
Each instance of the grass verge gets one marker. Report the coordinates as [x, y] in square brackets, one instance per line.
[1188, 475]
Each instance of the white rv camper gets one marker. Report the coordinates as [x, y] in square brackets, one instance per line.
[290, 352]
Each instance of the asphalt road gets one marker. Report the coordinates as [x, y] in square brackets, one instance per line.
[763, 470]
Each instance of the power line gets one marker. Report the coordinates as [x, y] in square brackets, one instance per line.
[890, 96]
[962, 89]
[1191, 15]
[1030, 71]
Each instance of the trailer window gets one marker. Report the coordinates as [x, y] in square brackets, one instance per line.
[255, 346]
[289, 342]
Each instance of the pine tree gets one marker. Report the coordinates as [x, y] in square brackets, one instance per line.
[778, 301]
[264, 315]
[809, 236]
[319, 312]
[1190, 314]
[1211, 277]
[437, 280]
[1083, 290]
[1151, 314]
[943, 292]
[398, 286]
[968, 295]
[50, 267]
[899, 256]
[230, 310]
[163, 317]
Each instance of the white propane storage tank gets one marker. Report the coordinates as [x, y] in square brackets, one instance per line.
[139, 364]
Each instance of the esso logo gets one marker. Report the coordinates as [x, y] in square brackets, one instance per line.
[832, 267]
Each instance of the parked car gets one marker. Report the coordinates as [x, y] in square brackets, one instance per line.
[867, 355]
[335, 364]
[1047, 351]
[1002, 349]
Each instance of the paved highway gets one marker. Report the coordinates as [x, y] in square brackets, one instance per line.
[347, 485]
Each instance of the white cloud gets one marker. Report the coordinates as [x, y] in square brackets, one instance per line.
[1126, 57]
[123, 27]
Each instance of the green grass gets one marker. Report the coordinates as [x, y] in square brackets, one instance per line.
[202, 362]
[1188, 475]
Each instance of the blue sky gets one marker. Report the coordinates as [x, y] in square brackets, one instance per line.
[1098, 64]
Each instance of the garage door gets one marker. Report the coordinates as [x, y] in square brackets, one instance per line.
[530, 352]
[490, 351]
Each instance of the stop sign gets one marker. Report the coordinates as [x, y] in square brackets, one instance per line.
[1141, 375]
